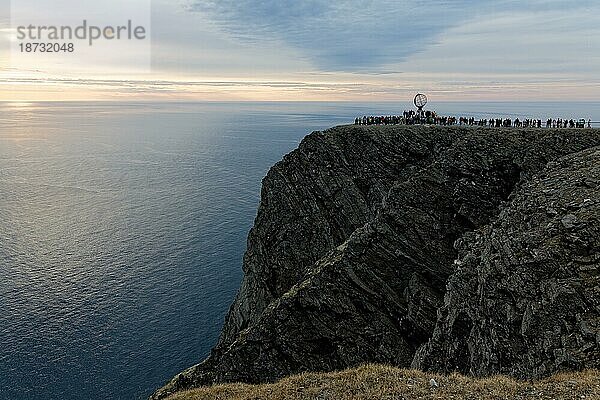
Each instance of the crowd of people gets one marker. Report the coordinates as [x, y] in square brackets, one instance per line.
[431, 118]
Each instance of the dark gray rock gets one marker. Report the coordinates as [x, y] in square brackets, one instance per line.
[314, 199]
[525, 299]
[354, 244]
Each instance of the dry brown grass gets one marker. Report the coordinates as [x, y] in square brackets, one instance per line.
[381, 382]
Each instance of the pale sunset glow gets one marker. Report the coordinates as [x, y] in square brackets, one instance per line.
[207, 50]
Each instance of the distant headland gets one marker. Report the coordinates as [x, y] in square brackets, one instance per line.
[428, 247]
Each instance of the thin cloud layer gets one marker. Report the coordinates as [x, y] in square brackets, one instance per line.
[341, 35]
[354, 35]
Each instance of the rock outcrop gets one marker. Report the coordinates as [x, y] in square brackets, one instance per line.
[444, 248]
[312, 201]
[525, 298]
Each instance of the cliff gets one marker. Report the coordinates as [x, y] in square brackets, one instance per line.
[444, 248]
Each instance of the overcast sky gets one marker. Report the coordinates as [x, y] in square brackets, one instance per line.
[341, 50]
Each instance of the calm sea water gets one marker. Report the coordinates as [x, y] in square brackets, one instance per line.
[122, 230]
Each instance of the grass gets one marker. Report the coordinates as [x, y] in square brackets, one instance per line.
[375, 382]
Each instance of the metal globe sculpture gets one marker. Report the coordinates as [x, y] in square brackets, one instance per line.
[420, 101]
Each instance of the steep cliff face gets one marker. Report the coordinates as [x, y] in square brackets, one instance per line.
[313, 200]
[354, 244]
[525, 299]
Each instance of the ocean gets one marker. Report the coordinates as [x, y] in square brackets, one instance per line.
[123, 225]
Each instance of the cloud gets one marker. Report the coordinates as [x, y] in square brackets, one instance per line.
[175, 86]
[358, 35]
[556, 43]
[338, 35]
[350, 49]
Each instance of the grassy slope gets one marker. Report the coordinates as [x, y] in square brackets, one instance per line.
[381, 382]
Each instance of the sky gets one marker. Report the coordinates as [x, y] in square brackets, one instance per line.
[323, 50]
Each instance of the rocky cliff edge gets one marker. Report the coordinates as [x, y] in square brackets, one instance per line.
[442, 248]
